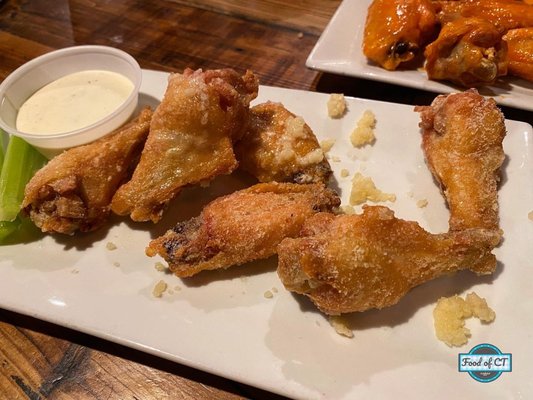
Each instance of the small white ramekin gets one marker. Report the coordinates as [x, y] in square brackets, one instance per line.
[35, 74]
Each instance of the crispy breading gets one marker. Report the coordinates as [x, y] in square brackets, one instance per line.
[190, 141]
[279, 146]
[347, 263]
[244, 226]
[462, 137]
[74, 190]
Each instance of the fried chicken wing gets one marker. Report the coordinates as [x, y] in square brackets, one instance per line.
[190, 141]
[504, 15]
[279, 146]
[462, 137]
[244, 226]
[74, 190]
[520, 52]
[469, 52]
[396, 30]
[349, 263]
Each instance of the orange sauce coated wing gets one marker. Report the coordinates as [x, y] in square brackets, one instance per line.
[520, 52]
[396, 30]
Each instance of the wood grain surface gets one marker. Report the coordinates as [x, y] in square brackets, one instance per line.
[39, 360]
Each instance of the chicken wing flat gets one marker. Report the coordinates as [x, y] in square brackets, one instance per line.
[520, 52]
[462, 137]
[503, 14]
[279, 146]
[469, 52]
[190, 141]
[397, 30]
[74, 190]
[244, 226]
[358, 262]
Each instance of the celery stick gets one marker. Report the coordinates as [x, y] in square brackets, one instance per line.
[3, 136]
[7, 228]
[1, 151]
[20, 163]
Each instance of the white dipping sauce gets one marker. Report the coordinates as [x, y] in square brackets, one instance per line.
[73, 102]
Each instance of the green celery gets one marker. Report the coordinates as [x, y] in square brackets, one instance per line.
[21, 161]
[1, 149]
[7, 228]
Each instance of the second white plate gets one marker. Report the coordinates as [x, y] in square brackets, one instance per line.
[339, 51]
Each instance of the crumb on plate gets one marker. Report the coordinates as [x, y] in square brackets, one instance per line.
[268, 294]
[159, 288]
[530, 215]
[422, 203]
[160, 266]
[110, 246]
[340, 326]
[327, 144]
[344, 173]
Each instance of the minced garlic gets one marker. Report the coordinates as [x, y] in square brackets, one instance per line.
[451, 312]
[364, 189]
[336, 105]
[364, 131]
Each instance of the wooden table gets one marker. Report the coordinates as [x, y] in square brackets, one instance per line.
[39, 360]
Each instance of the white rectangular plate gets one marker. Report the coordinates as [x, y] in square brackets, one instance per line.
[339, 51]
[221, 321]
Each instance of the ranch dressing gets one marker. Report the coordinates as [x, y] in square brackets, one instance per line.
[73, 102]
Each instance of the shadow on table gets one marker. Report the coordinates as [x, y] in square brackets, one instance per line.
[381, 91]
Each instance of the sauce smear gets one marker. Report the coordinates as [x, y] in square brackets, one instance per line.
[73, 102]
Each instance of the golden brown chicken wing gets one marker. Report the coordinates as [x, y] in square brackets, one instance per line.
[520, 52]
[397, 30]
[244, 226]
[462, 137]
[74, 190]
[191, 139]
[469, 52]
[350, 263]
[503, 14]
[279, 146]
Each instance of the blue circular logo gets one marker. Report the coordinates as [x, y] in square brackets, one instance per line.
[485, 362]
